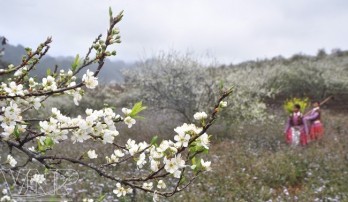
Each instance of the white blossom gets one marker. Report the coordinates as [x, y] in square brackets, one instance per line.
[118, 153]
[121, 191]
[77, 97]
[80, 136]
[148, 186]
[173, 165]
[112, 159]
[49, 83]
[206, 165]
[11, 161]
[13, 89]
[141, 161]
[4, 191]
[109, 136]
[203, 141]
[90, 80]
[187, 128]
[182, 140]
[200, 116]
[5, 198]
[32, 149]
[8, 130]
[126, 111]
[161, 185]
[91, 154]
[32, 82]
[154, 165]
[223, 104]
[70, 73]
[35, 102]
[20, 71]
[38, 178]
[129, 121]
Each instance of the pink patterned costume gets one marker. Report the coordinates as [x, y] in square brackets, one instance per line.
[294, 130]
[312, 124]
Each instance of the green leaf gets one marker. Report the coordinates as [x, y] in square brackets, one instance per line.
[193, 147]
[48, 142]
[197, 162]
[48, 72]
[40, 147]
[221, 85]
[16, 132]
[110, 12]
[75, 63]
[154, 140]
[193, 160]
[101, 198]
[138, 107]
[183, 180]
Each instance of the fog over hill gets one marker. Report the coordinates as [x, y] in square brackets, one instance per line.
[111, 72]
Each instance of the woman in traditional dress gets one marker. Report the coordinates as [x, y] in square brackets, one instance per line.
[294, 131]
[312, 123]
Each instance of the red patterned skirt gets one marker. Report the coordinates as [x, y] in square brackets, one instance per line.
[316, 131]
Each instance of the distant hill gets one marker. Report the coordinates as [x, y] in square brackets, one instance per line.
[111, 72]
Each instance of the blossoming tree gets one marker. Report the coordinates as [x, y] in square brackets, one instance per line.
[163, 167]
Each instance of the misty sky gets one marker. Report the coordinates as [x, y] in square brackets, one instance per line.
[230, 30]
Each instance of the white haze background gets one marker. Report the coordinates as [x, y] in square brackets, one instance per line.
[231, 31]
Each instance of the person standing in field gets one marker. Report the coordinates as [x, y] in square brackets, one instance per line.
[312, 122]
[294, 130]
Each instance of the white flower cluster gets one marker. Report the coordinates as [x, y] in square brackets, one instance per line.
[128, 120]
[121, 191]
[21, 71]
[174, 165]
[10, 160]
[223, 104]
[200, 116]
[49, 83]
[25, 93]
[38, 178]
[92, 155]
[206, 165]
[114, 158]
[90, 80]
[13, 89]
[98, 124]
[11, 115]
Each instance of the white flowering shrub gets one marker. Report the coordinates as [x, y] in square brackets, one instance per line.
[163, 167]
[172, 81]
[301, 75]
[181, 84]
